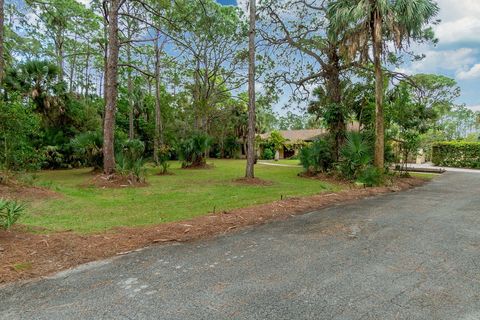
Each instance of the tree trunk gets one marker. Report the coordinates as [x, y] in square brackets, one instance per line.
[379, 119]
[131, 105]
[158, 140]
[2, 26]
[251, 94]
[87, 66]
[333, 85]
[111, 92]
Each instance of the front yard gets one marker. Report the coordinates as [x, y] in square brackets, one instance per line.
[182, 195]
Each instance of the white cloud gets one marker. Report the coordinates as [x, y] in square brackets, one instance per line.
[474, 108]
[472, 73]
[448, 60]
[466, 29]
[460, 22]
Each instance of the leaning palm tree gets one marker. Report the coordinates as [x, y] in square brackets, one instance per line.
[369, 26]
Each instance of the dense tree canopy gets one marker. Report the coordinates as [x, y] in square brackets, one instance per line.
[81, 82]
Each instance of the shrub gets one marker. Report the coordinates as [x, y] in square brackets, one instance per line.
[53, 158]
[10, 212]
[231, 147]
[268, 154]
[317, 157]
[192, 150]
[133, 149]
[129, 161]
[356, 155]
[456, 154]
[164, 154]
[88, 146]
[370, 176]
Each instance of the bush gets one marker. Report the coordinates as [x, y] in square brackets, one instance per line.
[88, 146]
[317, 157]
[129, 162]
[268, 154]
[356, 155]
[192, 150]
[10, 212]
[371, 176]
[53, 158]
[231, 147]
[459, 154]
[164, 154]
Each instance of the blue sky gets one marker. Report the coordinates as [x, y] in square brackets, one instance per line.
[227, 2]
[458, 53]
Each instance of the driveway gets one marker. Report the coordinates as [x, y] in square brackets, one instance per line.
[410, 255]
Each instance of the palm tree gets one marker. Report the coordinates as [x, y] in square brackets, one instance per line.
[366, 26]
[40, 82]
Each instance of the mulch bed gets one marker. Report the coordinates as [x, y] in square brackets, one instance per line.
[25, 255]
[114, 181]
[21, 192]
[253, 182]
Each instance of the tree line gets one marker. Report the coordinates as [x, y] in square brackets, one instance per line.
[81, 81]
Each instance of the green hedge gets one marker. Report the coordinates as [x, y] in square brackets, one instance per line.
[458, 154]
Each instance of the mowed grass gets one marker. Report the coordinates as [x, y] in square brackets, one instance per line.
[283, 162]
[182, 195]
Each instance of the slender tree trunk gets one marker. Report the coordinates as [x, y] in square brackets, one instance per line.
[333, 84]
[379, 118]
[249, 173]
[158, 141]
[131, 105]
[111, 92]
[196, 96]
[2, 27]
[72, 67]
[131, 129]
[87, 74]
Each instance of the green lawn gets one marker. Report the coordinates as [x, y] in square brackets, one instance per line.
[185, 194]
[283, 161]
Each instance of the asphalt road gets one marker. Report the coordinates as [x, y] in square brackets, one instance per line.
[410, 255]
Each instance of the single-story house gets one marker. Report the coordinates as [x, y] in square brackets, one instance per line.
[296, 139]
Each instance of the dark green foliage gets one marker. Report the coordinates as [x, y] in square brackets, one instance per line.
[19, 127]
[231, 147]
[318, 156]
[356, 155]
[130, 162]
[10, 212]
[192, 150]
[268, 154]
[88, 147]
[164, 155]
[371, 177]
[456, 154]
[53, 158]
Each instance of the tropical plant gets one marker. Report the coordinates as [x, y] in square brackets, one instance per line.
[231, 147]
[318, 156]
[10, 212]
[164, 154]
[366, 26]
[41, 82]
[130, 162]
[88, 146]
[192, 150]
[370, 177]
[356, 155]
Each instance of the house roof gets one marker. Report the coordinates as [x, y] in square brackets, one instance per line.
[298, 135]
[308, 134]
